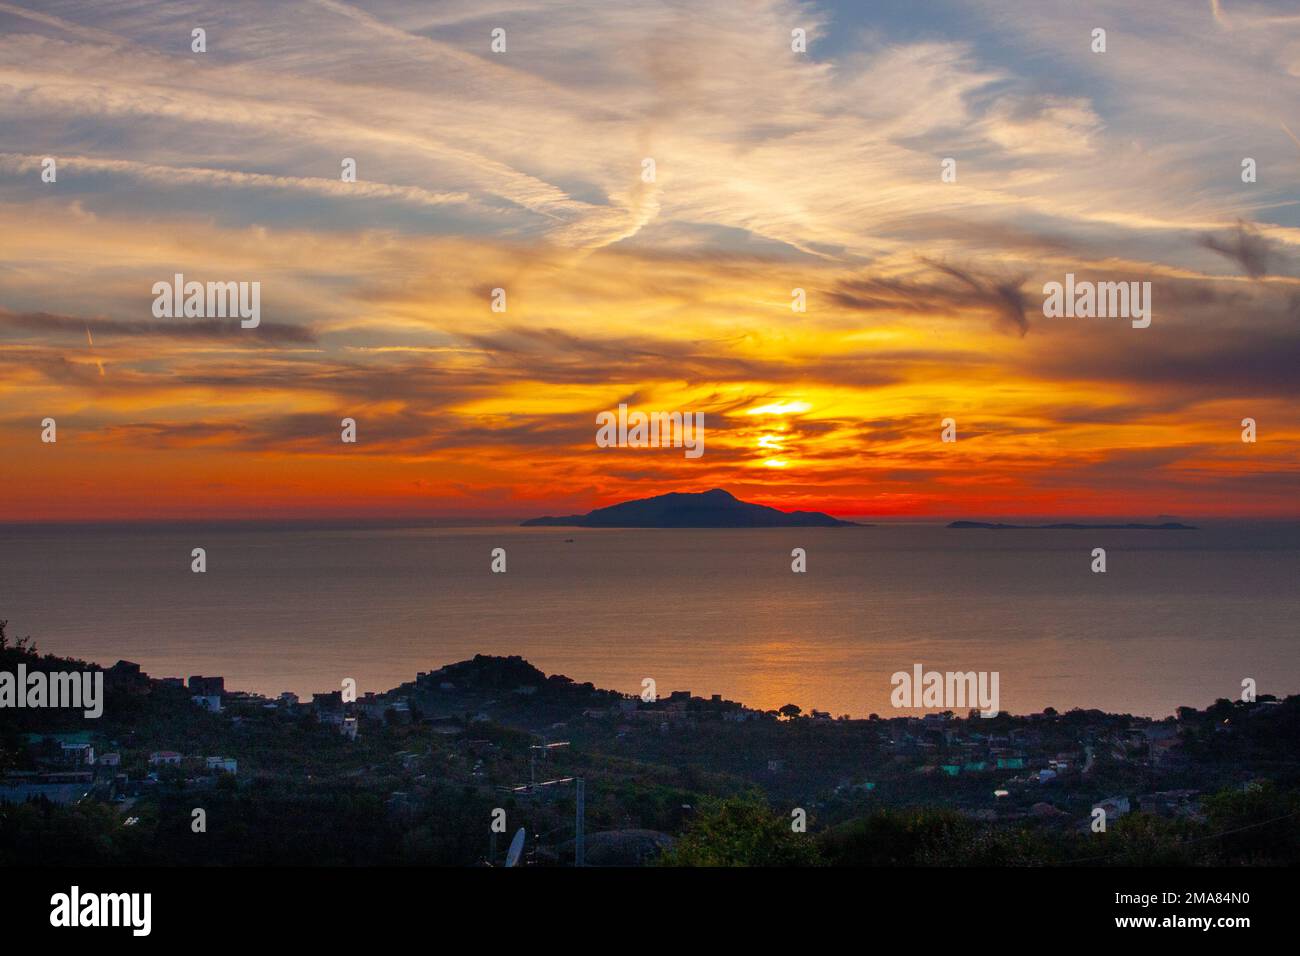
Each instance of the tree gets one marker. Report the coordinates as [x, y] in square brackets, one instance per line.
[741, 831]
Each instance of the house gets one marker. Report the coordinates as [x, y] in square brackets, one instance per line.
[1115, 807]
[348, 728]
[223, 764]
[126, 675]
[78, 754]
[207, 691]
[1172, 803]
[164, 758]
[110, 760]
[322, 703]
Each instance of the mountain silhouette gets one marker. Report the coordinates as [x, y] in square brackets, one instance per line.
[706, 509]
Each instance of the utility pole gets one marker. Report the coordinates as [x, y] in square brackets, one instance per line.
[544, 747]
[580, 837]
[533, 786]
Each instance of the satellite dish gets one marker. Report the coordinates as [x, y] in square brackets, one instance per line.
[516, 848]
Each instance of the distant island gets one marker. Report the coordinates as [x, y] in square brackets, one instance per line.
[1167, 526]
[706, 509]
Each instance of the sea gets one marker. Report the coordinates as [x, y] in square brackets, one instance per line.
[1177, 618]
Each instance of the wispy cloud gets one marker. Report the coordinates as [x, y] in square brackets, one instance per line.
[773, 171]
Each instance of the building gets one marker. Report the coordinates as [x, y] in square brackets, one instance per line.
[223, 764]
[164, 758]
[127, 676]
[61, 788]
[207, 686]
[1115, 807]
[78, 754]
[324, 703]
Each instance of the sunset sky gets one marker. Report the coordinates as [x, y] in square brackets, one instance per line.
[775, 170]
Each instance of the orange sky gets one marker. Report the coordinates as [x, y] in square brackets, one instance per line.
[526, 172]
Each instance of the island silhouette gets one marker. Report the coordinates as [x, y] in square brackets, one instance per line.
[715, 508]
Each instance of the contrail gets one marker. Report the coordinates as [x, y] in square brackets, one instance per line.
[91, 341]
[1216, 9]
[1287, 130]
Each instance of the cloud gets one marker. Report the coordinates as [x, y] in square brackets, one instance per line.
[775, 170]
[1246, 247]
[225, 178]
[1002, 298]
[228, 331]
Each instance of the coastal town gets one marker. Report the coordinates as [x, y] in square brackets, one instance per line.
[444, 768]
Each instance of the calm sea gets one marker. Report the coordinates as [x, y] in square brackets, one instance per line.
[1179, 617]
